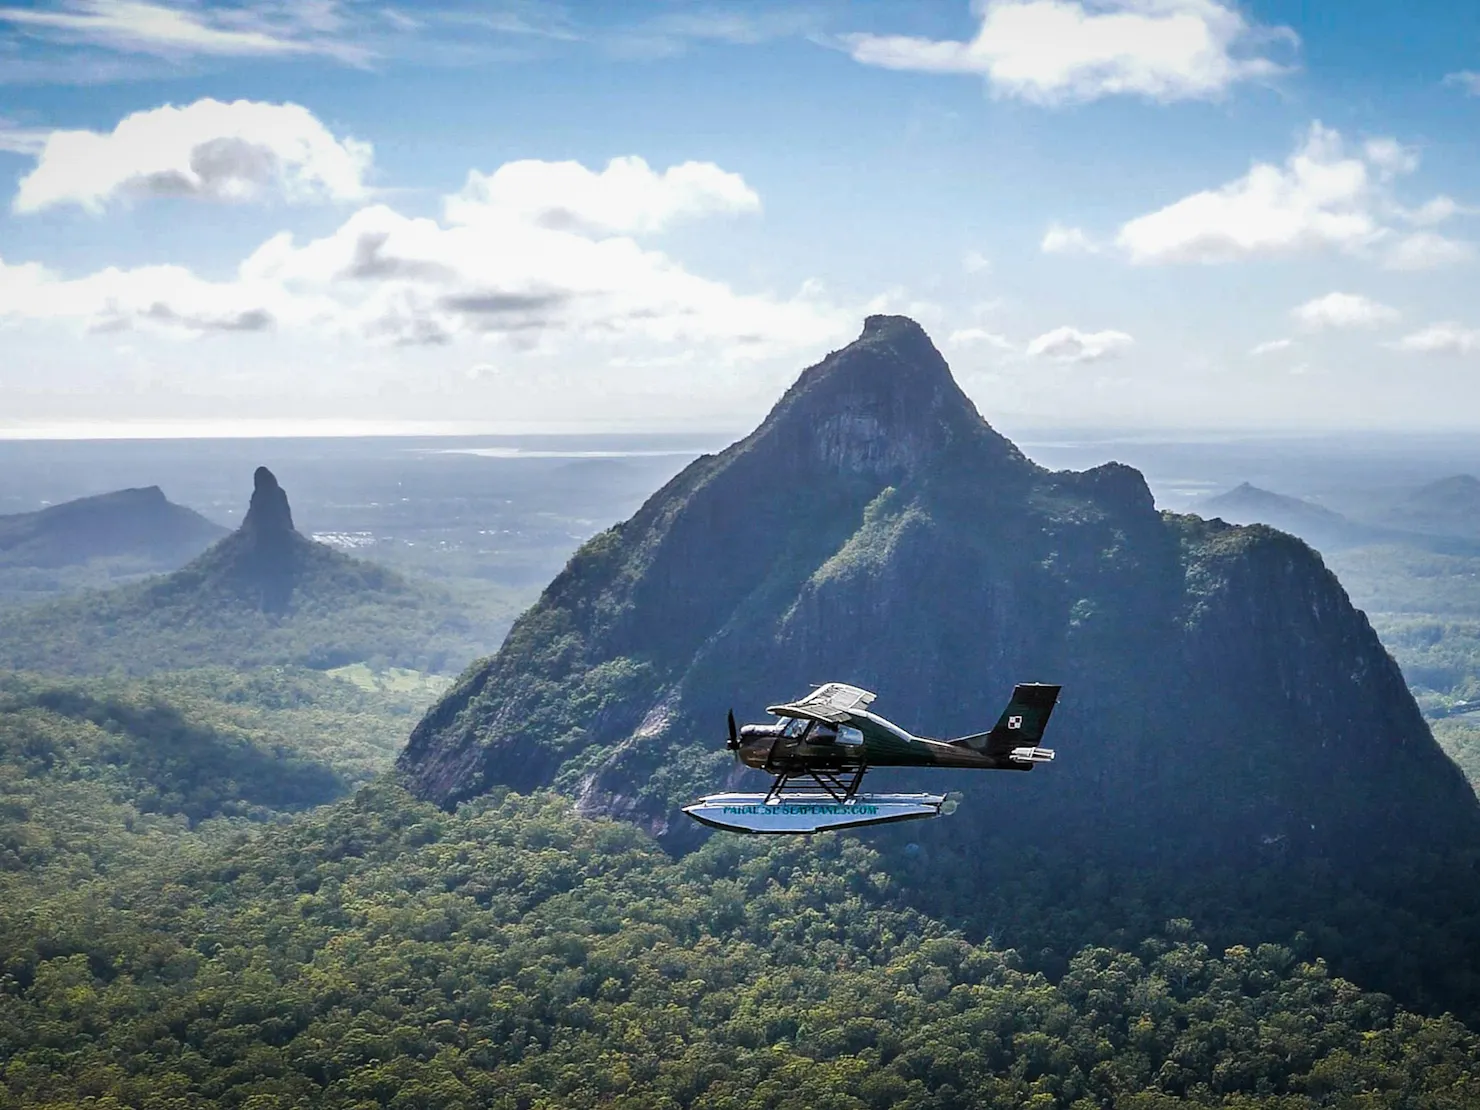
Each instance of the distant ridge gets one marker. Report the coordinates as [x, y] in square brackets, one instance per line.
[264, 594]
[1448, 507]
[138, 523]
[1317, 525]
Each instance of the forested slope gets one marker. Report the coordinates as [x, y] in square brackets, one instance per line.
[383, 953]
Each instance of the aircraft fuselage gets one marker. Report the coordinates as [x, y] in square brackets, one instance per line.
[866, 740]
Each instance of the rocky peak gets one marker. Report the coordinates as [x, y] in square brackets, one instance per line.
[882, 405]
[143, 495]
[268, 513]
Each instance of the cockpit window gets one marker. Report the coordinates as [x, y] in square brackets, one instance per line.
[850, 736]
[794, 727]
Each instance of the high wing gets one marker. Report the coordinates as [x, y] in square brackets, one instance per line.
[834, 702]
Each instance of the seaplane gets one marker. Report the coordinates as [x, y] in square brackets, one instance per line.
[819, 748]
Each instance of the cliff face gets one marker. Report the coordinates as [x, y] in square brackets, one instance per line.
[1221, 695]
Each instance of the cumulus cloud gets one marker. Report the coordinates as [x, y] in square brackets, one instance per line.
[208, 150]
[492, 269]
[1072, 345]
[1321, 197]
[1273, 346]
[626, 197]
[1325, 197]
[1342, 310]
[1434, 211]
[1441, 339]
[1058, 51]
[1426, 250]
[165, 299]
[1067, 240]
[1390, 157]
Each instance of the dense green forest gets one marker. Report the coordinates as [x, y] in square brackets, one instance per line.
[384, 953]
[1426, 607]
[353, 612]
[97, 776]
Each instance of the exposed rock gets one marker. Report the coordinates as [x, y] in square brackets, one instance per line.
[268, 513]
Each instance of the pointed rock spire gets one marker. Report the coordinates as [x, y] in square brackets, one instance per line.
[268, 514]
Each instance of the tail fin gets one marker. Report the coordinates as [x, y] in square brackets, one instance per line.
[1021, 725]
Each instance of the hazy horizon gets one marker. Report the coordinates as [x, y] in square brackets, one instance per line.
[1189, 213]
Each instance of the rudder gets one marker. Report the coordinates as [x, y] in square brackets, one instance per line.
[1022, 723]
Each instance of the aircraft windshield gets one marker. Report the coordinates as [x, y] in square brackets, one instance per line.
[794, 727]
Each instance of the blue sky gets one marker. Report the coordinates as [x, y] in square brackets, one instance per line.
[1131, 213]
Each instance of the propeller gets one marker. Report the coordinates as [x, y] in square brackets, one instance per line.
[734, 742]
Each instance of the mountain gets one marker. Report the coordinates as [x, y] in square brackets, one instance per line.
[1448, 507]
[137, 523]
[1315, 524]
[1223, 701]
[265, 594]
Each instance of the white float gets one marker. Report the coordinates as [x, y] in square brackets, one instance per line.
[809, 812]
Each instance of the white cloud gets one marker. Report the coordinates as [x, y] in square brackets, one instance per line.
[21, 140]
[1072, 345]
[1067, 240]
[1324, 197]
[141, 26]
[168, 299]
[1434, 211]
[240, 151]
[1342, 310]
[1271, 347]
[1441, 339]
[670, 34]
[626, 197]
[1055, 51]
[972, 337]
[1426, 250]
[974, 262]
[492, 270]
[1466, 79]
[1320, 198]
[1390, 156]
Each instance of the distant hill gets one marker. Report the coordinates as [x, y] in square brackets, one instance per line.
[137, 523]
[264, 594]
[1315, 524]
[1448, 507]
